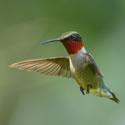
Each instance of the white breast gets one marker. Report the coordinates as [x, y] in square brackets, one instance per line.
[77, 59]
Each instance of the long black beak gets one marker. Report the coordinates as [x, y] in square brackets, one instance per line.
[51, 40]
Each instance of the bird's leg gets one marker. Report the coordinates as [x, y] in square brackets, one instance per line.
[89, 86]
[82, 90]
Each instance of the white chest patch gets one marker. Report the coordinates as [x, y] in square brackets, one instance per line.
[75, 59]
[83, 50]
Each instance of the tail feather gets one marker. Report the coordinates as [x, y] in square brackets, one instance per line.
[114, 98]
[106, 92]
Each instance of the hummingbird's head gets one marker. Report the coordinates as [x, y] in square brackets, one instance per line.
[72, 41]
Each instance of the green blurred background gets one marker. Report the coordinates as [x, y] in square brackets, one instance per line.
[34, 99]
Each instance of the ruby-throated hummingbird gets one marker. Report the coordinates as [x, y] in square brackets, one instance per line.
[79, 65]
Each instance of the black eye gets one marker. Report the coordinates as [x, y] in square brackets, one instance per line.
[75, 37]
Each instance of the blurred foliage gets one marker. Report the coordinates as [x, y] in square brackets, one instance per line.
[33, 99]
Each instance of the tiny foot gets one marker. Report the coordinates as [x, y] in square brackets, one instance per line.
[82, 90]
[89, 86]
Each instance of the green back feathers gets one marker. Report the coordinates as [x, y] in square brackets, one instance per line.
[67, 34]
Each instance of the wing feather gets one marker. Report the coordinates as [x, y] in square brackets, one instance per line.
[93, 64]
[50, 66]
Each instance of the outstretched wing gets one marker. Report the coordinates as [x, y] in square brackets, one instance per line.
[92, 63]
[50, 66]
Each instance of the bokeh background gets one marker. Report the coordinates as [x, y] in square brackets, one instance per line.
[34, 99]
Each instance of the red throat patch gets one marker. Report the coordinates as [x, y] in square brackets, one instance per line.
[73, 46]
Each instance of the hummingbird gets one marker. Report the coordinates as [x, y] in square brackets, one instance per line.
[79, 65]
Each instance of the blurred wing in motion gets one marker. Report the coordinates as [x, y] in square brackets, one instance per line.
[50, 66]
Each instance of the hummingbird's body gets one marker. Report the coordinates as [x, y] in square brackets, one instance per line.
[80, 70]
[79, 65]
[85, 73]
